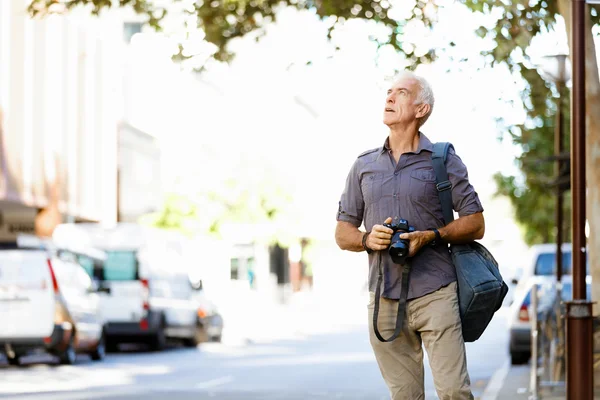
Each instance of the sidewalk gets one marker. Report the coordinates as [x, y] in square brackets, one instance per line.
[516, 386]
[513, 382]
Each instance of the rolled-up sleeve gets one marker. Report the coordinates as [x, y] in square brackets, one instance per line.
[351, 206]
[464, 198]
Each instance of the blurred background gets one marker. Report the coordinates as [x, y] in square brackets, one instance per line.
[163, 143]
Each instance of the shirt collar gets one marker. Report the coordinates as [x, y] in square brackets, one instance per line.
[424, 144]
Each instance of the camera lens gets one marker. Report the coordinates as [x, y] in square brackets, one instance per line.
[398, 249]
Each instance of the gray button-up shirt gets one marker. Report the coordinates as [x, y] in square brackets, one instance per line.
[377, 188]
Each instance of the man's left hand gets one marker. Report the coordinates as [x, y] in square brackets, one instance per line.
[417, 240]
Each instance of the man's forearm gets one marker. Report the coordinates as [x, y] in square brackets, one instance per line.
[348, 237]
[464, 229]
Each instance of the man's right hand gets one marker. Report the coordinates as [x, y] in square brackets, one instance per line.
[380, 236]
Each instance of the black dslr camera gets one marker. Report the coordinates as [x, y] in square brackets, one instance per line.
[398, 249]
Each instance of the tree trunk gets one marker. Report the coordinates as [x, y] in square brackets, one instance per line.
[592, 97]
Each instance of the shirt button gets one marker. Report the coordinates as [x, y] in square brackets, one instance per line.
[396, 173]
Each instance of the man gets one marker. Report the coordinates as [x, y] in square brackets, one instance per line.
[398, 181]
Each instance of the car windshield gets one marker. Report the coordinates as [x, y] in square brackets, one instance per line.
[120, 266]
[546, 264]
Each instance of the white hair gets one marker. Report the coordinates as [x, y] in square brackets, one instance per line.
[425, 95]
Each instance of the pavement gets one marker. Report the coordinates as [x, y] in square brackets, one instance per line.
[262, 322]
[513, 383]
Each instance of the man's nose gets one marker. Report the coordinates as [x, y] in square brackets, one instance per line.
[389, 99]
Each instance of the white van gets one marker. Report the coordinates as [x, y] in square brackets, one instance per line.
[47, 303]
[149, 295]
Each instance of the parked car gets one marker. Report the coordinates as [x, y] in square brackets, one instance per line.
[542, 262]
[519, 319]
[210, 318]
[520, 311]
[150, 296]
[47, 303]
[552, 325]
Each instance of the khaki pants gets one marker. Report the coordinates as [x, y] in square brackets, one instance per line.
[432, 320]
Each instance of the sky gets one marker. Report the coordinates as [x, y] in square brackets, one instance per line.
[304, 125]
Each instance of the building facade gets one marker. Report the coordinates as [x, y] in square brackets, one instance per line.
[59, 112]
[139, 174]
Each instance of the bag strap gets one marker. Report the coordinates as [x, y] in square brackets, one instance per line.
[443, 184]
[401, 302]
[444, 187]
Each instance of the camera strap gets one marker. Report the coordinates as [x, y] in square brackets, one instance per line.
[401, 302]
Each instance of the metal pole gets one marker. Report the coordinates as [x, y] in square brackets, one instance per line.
[533, 378]
[558, 149]
[578, 150]
[580, 378]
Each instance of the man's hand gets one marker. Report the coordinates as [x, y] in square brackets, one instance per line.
[417, 240]
[380, 236]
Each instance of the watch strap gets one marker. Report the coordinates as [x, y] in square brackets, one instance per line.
[438, 237]
[364, 243]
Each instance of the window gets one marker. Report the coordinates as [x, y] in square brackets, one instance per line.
[130, 29]
[235, 265]
[87, 264]
[250, 271]
[546, 265]
[121, 266]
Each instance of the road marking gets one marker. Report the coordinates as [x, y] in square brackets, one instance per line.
[214, 382]
[496, 383]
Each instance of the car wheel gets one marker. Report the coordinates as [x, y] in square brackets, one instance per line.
[191, 342]
[519, 358]
[15, 360]
[99, 352]
[69, 355]
[159, 341]
[111, 345]
[216, 338]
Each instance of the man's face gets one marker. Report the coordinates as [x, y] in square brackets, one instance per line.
[400, 107]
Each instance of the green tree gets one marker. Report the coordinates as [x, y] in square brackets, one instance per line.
[208, 211]
[533, 193]
[225, 20]
[247, 195]
[249, 202]
[178, 213]
[514, 25]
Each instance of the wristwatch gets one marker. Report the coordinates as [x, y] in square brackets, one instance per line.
[438, 238]
[364, 243]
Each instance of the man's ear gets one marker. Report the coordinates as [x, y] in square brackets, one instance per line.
[422, 110]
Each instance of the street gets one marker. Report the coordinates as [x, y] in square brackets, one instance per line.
[309, 360]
